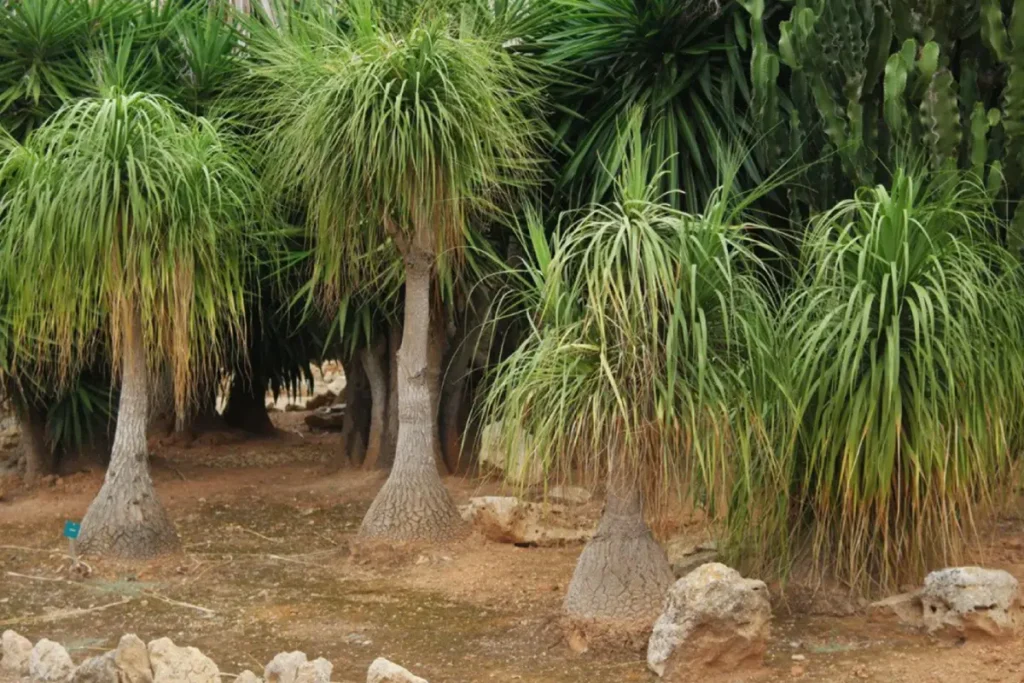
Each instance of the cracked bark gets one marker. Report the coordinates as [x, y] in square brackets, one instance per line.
[126, 519]
[414, 504]
[39, 455]
[623, 573]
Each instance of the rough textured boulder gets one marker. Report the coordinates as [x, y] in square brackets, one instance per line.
[317, 671]
[248, 677]
[49, 662]
[970, 599]
[715, 620]
[383, 671]
[518, 469]
[173, 664]
[956, 602]
[284, 667]
[101, 669]
[506, 519]
[132, 660]
[15, 650]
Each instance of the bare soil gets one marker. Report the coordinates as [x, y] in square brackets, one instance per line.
[270, 563]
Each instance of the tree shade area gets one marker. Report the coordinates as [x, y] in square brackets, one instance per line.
[756, 259]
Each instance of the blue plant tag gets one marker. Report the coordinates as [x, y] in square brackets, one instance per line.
[71, 529]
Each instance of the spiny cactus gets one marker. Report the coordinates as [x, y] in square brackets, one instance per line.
[852, 81]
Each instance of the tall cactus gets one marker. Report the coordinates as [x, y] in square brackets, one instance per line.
[863, 78]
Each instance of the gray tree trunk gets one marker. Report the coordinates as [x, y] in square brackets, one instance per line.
[378, 382]
[126, 519]
[623, 574]
[414, 504]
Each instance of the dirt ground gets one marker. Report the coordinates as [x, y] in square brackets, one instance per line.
[270, 564]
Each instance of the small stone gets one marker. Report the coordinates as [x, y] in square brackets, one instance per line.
[99, 669]
[173, 664]
[284, 667]
[573, 495]
[49, 662]
[248, 677]
[383, 671]
[796, 671]
[15, 650]
[317, 671]
[798, 658]
[713, 618]
[132, 660]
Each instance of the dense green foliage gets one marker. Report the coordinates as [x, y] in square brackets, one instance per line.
[836, 381]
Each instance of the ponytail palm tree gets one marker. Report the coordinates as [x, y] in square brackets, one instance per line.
[643, 321]
[123, 215]
[393, 127]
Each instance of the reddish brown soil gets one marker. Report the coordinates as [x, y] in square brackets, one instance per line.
[270, 563]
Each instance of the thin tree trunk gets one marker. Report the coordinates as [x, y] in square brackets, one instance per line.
[414, 504]
[161, 419]
[623, 574]
[436, 343]
[247, 405]
[126, 519]
[358, 403]
[387, 456]
[379, 397]
[39, 456]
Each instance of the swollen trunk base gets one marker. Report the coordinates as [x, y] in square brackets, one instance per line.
[621, 578]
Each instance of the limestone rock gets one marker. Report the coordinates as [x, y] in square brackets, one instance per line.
[572, 495]
[132, 660]
[248, 677]
[173, 664]
[905, 609]
[506, 519]
[713, 619]
[517, 469]
[328, 418]
[49, 662]
[284, 667]
[15, 650]
[383, 671]
[970, 599]
[317, 671]
[101, 669]
[684, 555]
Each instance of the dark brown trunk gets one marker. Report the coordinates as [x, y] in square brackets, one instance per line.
[126, 519]
[390, 441]
[454, 388]
[161, 403]
[247, 406]
[357, 412]
[414, 504]
[36, 449]
[623, 574]
[378, 382]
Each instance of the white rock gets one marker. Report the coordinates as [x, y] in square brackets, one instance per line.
[573, 495]
[248, 677]
[383, 671]
[14, 650]
[132, 660]
[173, 664]
[49, 662]
[317, 671]
[506, 519]
[516, 468]
[965, 599]
[713, 617]
[284, 667]
[99, 669]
